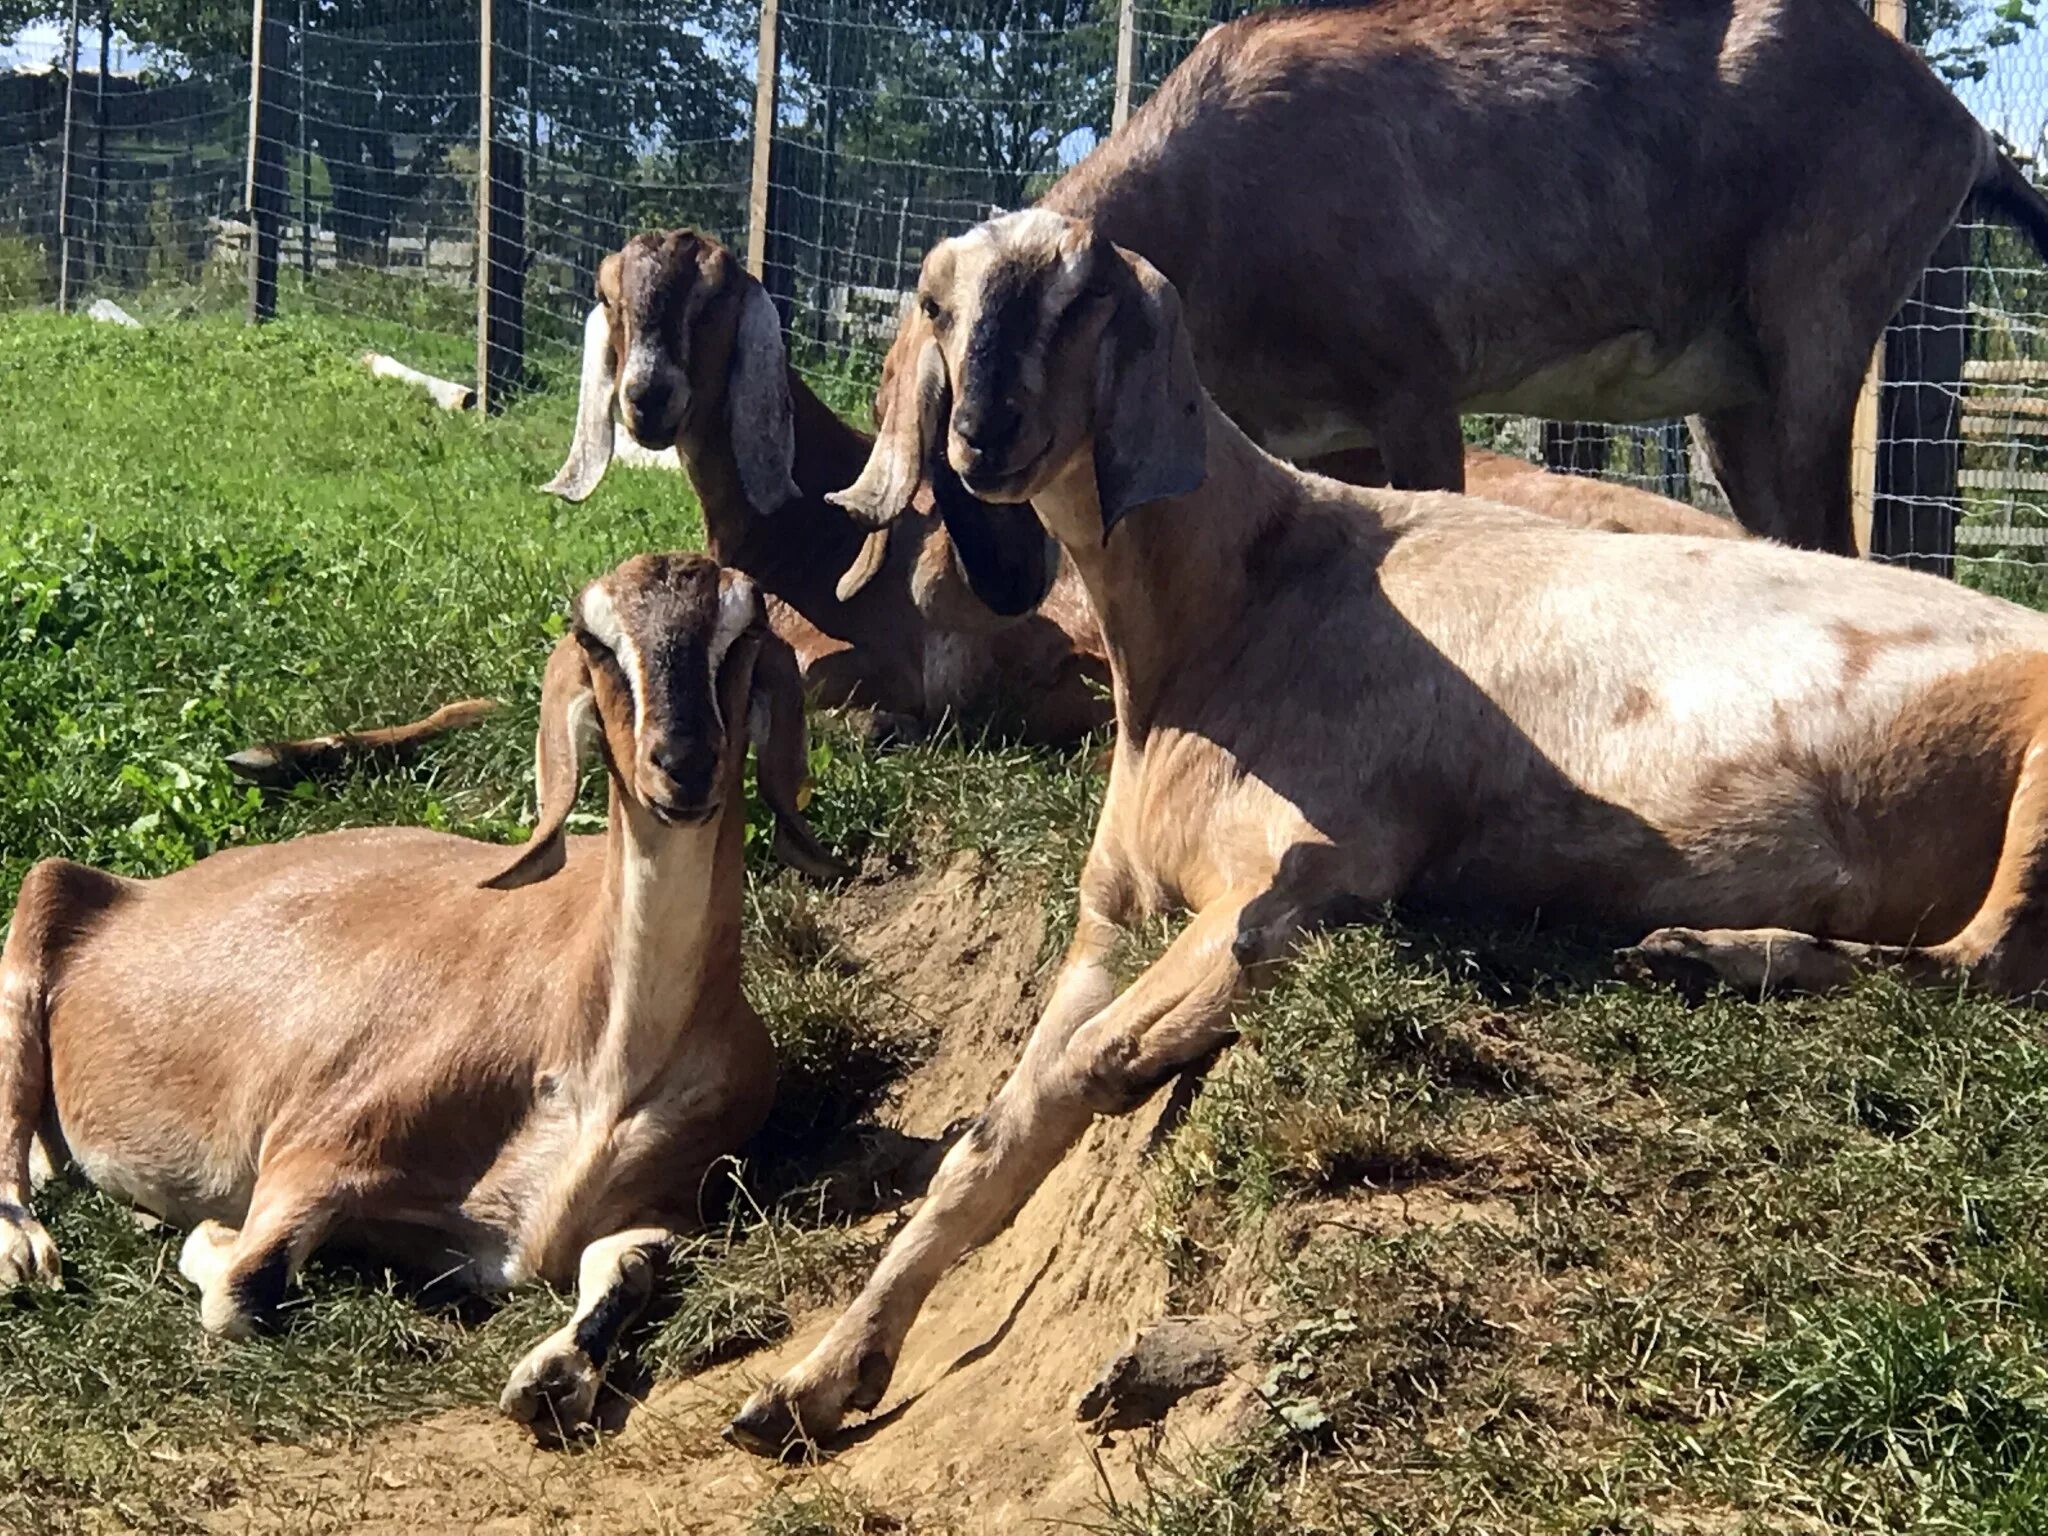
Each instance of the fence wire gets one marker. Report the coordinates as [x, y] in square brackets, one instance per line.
[900, 122]
[897, 122]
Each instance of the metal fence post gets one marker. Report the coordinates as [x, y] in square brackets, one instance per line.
[305, 150]
[265, 189]
[1863, 434]
[1914, 503]
[65, 238]
[500, 236]
[1575, 447]
[99, 153]
[1126, 57]
[767, 65]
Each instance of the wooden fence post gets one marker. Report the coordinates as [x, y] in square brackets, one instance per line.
[767, 67]
[1126, 60]
[265, 189]
[65, 239]
[500, 237]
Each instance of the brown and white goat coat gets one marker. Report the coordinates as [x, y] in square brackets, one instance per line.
[495, 1066]
[1329, 698]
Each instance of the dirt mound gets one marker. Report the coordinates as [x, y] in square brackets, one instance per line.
[979, 1430]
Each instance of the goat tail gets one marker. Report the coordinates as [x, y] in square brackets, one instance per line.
[2004, 187]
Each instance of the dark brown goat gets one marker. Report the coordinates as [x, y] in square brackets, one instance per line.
[1380, 216]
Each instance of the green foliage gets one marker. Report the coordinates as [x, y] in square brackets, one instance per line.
[24, 272]
[211, 535]
[1959, 37]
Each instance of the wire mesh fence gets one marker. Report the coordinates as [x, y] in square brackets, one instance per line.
[893, 123]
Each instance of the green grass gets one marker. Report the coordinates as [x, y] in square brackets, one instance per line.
[1535, 1250]
[211, 535]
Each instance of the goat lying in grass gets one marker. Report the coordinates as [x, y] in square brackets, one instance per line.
[888, 618]
[1329, 698]
[501, 1067]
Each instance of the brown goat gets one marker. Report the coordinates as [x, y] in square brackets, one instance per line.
[494, 1065]
[1382, 215]
[688, 346]
[1329, 698]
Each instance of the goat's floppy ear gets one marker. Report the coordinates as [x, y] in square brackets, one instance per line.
[762, 415]
[1005, 553]
[1149, 440]
[775, 724]
[590, 453]
[910, 407]
[568, 725]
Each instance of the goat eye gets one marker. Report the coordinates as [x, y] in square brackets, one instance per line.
[929, 305]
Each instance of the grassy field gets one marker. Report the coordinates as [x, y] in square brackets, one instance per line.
[1532, 1249]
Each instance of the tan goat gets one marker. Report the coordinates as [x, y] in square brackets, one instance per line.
[1381, 215]
[495, 1065]
[688, 346]
[1329, 698]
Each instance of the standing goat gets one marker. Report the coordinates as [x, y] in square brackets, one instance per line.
[1587, 209]
[501, 1067]
[1329, 698]
[688, 346]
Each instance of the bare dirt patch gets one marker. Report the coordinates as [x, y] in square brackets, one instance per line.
[979, 1431]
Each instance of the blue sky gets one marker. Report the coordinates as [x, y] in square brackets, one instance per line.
[42, 42]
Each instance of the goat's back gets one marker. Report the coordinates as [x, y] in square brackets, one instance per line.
[193, 1008]
[1462, 193]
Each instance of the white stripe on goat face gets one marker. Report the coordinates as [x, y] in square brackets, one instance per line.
[601, 617]
[644, 359]
[1025, 230]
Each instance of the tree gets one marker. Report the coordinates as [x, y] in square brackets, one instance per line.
[1959, 36]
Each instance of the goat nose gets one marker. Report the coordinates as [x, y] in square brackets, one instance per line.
[986, 428]
[648, 397]
[688, 767]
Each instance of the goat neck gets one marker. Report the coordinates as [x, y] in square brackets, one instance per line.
[669, 908]
[798, 552]
[1171, 573]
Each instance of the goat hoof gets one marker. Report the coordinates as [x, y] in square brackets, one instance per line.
[553, 1391]
[27, 1256]
[768, 1426]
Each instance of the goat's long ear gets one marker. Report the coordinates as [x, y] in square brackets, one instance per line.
[775, 724]
[1005, 553]
[590, 454]
[568, 725]
[762, 415]
[1149, 439]
[910, 410]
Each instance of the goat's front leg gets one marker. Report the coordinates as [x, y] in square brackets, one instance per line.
[26, 1251]
[242, 1275]
[555, 1387]
[1074, 1067]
